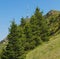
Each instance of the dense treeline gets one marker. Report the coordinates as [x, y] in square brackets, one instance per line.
[26, 36]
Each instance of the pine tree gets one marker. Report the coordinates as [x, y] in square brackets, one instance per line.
[35, 27]
[28, 34]
[13, 49]
[39, 26]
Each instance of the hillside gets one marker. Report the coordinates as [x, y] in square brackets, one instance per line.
[53, 20]
[41, 31]
[50, 50]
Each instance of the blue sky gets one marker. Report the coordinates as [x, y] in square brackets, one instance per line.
[10, 9]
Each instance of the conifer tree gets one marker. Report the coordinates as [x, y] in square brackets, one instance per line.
[13, 50]
[39, 25]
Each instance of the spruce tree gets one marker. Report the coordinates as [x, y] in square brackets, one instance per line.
[36, 28]
[13, 50]
[39, 26]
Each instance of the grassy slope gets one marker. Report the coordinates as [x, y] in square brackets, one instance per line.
[1, 49]
[50, 50]
[2, 46]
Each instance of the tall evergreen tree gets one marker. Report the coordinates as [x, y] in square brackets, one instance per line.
[39, 25]
[35, 27]
[13, 50]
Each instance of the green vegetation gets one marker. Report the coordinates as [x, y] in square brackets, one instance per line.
[50, 50]
[53, 21]
[3, 44]
[31, 33]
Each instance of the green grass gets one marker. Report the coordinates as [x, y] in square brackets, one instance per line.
[50, 50]
[2, 46]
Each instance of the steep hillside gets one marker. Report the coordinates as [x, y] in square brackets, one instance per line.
[52, 13]
[53, 20]
[50, 50]
[30, 35]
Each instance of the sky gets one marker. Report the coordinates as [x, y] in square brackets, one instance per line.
[15, 9]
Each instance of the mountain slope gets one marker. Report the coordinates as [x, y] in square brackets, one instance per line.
[50, 50]
[53, 20]
[46, 50]
[52, 13]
